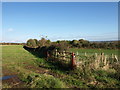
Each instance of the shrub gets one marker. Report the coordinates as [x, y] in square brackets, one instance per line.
[32, 43]
[62, 46]
[36, 41]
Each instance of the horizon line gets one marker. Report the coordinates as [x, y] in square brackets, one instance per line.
[62, 40]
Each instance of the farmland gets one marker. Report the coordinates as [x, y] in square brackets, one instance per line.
[31, 71]
[91, 51]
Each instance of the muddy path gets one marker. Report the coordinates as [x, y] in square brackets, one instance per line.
[11, 79]
[42, 70]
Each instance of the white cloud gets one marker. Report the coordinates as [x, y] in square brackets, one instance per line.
[10, 29]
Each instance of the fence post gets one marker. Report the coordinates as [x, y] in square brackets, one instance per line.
[77, 53]
[95, 55]
[47, 55]
[102, 57]
[63, 54]
[85, 54]
[56, 53]
[73, 61]
[112, 56]
[116, 58]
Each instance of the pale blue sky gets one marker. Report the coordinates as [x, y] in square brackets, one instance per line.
[88, 20]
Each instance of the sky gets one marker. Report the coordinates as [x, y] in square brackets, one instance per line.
[60, 0]
[93, 21]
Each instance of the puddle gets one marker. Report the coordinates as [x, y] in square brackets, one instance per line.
[7, 77]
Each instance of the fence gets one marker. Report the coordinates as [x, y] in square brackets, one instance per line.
[66, 57]
[96, 60]
[75, 60]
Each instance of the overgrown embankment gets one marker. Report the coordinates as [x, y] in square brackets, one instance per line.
[35, 71]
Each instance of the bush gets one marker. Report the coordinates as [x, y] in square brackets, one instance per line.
[32, 43]
[58, 46]
[62, 46]
[44, 42]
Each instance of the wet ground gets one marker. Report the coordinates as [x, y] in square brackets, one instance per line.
[11, 79]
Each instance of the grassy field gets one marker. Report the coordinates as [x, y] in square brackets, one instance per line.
[14, 59]
[19, 62]
[92, 51]
[34, 72]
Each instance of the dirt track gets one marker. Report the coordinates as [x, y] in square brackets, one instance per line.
[13, 82]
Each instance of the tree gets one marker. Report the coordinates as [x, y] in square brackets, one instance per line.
[31, 43]
[42, 42]
[74, 43]
[37, 42]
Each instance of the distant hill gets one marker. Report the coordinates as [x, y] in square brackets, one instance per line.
[12, 43]
[112, 41]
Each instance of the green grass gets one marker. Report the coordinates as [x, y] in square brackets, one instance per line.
[105, 79]
[92, 51]
[15, 58]
[43, 81]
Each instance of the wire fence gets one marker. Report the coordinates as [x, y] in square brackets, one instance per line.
[77, 59]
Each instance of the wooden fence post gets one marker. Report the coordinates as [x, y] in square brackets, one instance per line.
[116, 58]
[112, 56]
[47, 55]
[63, 54]
[56, 53]
[73, 61]
[85, 54]
[96, 55]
